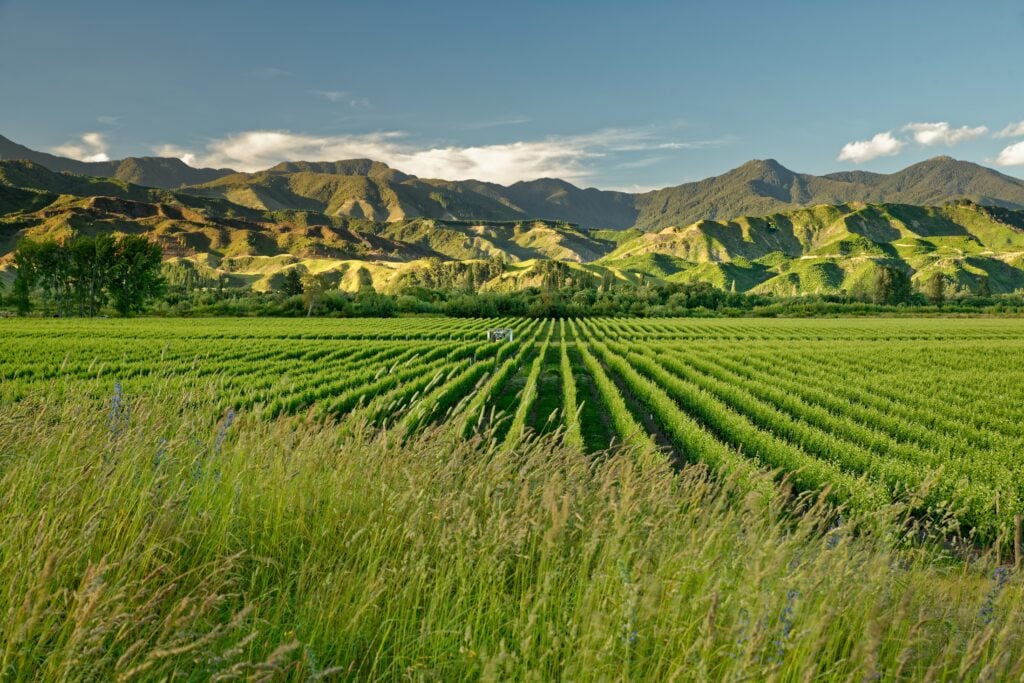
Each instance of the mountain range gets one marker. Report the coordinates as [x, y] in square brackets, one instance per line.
[759, 227]
[362, 188]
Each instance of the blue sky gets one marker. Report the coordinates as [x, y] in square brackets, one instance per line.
[610, 94]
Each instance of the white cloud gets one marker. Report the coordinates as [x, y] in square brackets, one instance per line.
[881, 145]
[1014, 130]
[1012, 155]
[176, 152]
[941, 133]
[570, 157]
[254, 150]
[90, 147]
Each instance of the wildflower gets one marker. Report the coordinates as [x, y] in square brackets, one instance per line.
[988, 608]
[118, 410]
[785, 625]
[744, 631]
[222, 432]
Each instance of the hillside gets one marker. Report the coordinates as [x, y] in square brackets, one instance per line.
[762, 187]
[833, 248]
[825, 248]
[364, 188]
[164, 172]
[217, 237]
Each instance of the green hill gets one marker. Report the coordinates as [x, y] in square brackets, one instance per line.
[762, 187]
[368, 189]
[254, 227]
[252, 245]
[828, 249]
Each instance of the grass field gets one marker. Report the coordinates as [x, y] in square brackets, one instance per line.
[604, 498]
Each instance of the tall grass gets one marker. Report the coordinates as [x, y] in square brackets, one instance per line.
[171, 541]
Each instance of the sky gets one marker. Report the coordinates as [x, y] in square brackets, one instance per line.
[617, 95]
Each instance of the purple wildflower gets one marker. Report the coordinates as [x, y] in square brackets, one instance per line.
[117, 410]
[222, 432]
[988, 608]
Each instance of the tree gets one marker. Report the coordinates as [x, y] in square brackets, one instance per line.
[935, 289]
[51, 267]
[82, 254]
[292, 283]
[91, 261]
[313, 288]
[371, 304]
[104, 258]
[26, 264]
[891, 286]
[85, 270]
[135, 275]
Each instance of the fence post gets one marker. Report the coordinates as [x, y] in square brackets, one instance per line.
[1017, 542]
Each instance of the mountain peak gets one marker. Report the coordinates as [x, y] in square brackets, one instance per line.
[367, 167]
[765, 168]
[546, 182]
[763, 163]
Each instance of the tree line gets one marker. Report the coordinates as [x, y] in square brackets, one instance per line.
[79, 276]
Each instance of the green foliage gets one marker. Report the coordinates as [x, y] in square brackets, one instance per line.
[363, 224]
[570, 407]
[135, 274]
[175, 541]
[160, 534]
[314, 286]
[525, 402]
[935, 289]
[79, 274]
[291, 284]
[898, 412]
[891, 286]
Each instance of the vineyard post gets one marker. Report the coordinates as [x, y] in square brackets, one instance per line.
[1017, 541]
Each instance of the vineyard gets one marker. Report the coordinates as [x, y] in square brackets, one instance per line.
[873, 411]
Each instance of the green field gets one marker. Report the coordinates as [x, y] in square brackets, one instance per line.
[603, 498]
[873, 409]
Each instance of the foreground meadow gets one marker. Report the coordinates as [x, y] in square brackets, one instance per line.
[211, 500]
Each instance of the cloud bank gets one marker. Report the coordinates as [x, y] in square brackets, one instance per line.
[925, 134]
[881, 145]
[942, 133]
[176, 152]
[89, 147]
[570, 157]
[1012, 155]
[1014, 130]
